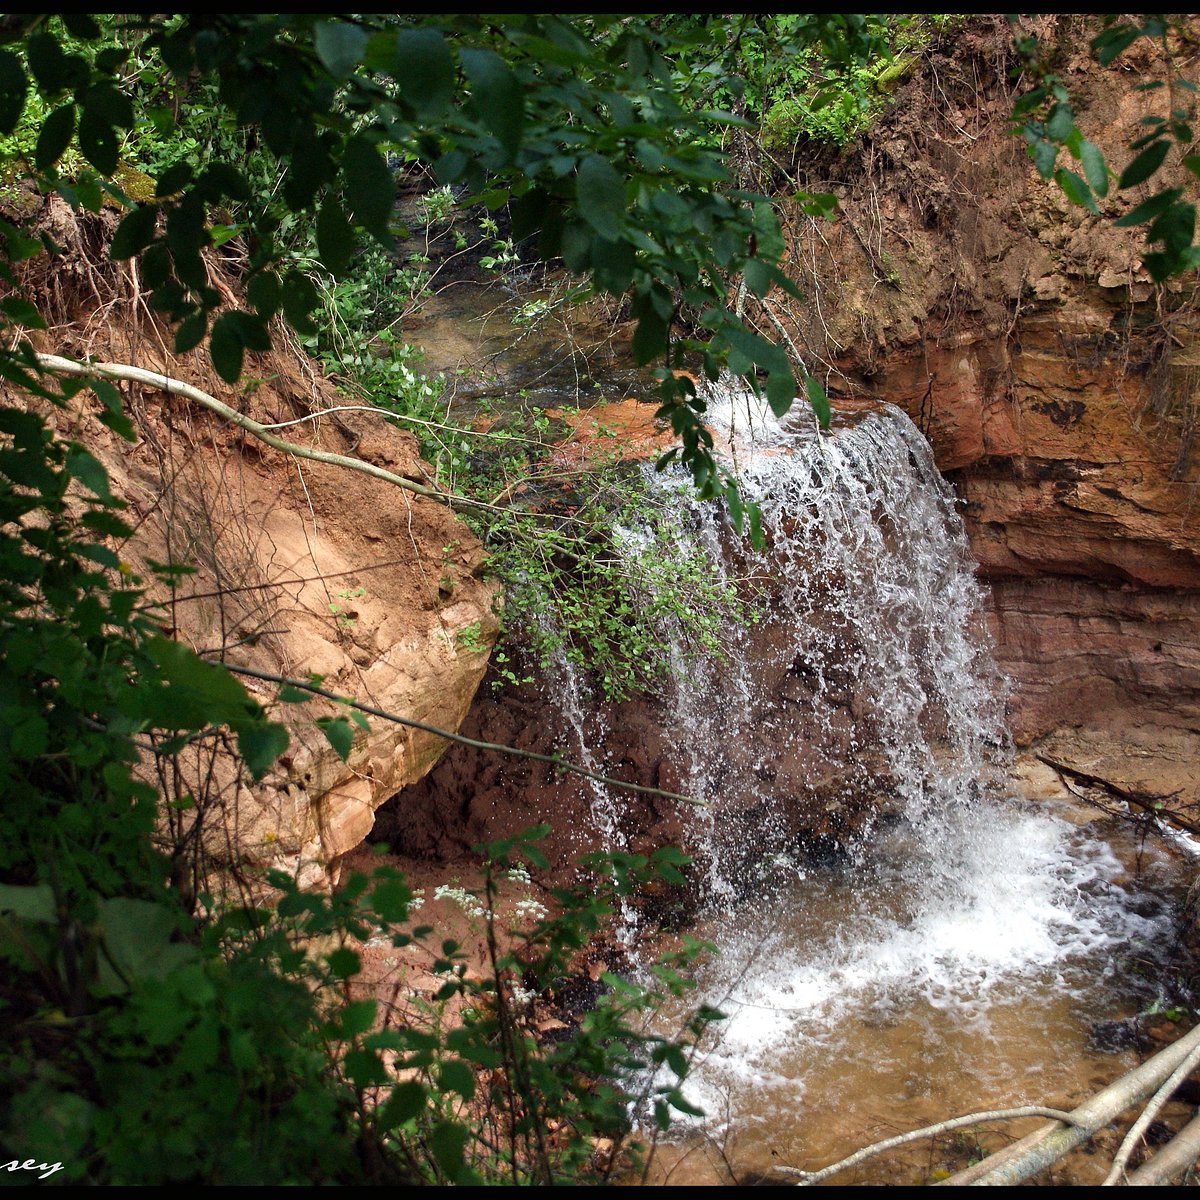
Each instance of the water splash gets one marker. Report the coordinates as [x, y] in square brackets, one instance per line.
[863, 679]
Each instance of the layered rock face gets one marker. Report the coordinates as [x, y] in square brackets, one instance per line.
[1056, 384]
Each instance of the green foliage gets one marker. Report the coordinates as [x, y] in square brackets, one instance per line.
[614, 588]
[1046, 120]
[594, 132]
[154, 1034]
[802, 94]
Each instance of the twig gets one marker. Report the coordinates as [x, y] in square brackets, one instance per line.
[1144, 800]
[459, 739]
[808, 1178]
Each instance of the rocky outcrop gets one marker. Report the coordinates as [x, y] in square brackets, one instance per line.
[1056, 384]
[297, 568]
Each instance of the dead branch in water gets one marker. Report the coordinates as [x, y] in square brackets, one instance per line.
[808, 1178]
[1150, 802]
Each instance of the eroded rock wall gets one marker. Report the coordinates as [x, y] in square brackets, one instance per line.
[299, 568]
[1057, 385]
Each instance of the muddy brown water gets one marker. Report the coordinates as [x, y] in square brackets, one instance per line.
[867, 1000]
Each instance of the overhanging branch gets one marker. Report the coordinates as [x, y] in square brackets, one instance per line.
[176, 387]
[459, 739]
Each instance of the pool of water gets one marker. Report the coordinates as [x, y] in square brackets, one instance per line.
[940, 972]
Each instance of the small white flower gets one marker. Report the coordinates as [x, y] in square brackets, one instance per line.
[522, 997]
[530, 908]
[470, 904]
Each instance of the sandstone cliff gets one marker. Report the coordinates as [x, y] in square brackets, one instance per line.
[299, 567]
[1055, 382]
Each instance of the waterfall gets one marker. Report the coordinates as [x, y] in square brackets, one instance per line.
[879, 899]
[863, 708]
[862, 682]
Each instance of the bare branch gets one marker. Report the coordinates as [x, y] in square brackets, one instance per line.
[916, 1135]
[458, 738]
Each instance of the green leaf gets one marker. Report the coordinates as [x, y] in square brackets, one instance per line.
[496, 97]
[600, 192]
[137, 943]
[355, 1017]
[343, 963]
[424, 70]
[649, 337]
[265, 292]
[1094, 168]
[134, 233]
[1107, 45]
[781, 390]
[80, 25]
[758, 277]
[390, 900]
[447, 1143]
[53, 69]
[226, 348]
[456, 1076]
[13, 89]
[1145, 164]
[21, 312]
[187, 692]
[406, 1102]
[1175, 228]
[1149, 209]
[340, 735]
[174, 179]
[221, 179]
[340, 46]
[191, 332]
[612, 265]
[89, 471]
[1075, 189]
[733, 499]
[365, 1068]
[55, 137]
[1061, 122]
[260, 743]
[32, 903]
[98, 141]
[818, 399]
[335, 238]
[299, 300]
[1045, 155]
[368, 186]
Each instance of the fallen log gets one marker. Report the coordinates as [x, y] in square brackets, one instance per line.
[1047, 1145]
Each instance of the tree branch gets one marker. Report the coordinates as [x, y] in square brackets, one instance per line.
[808, 1178]
[1149, 801]
[1152, 1109]
[176, 387]
[459, 739]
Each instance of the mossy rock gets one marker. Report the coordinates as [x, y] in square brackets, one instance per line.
[137, 185]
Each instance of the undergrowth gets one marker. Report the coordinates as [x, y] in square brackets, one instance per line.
[167, 1021]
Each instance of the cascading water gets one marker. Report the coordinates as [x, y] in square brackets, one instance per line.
[861, 709]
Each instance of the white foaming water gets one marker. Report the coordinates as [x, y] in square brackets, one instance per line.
[962, 909]
[937, 955]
